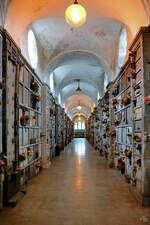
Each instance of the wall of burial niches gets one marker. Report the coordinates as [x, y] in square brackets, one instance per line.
[119, 126]
[23, 101]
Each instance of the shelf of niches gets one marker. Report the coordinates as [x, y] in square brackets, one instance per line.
[28, 108]
[119, 145]
[123, 79]
[22, 106]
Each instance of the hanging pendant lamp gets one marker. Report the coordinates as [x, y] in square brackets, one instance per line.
[78, 90]
[75, 15]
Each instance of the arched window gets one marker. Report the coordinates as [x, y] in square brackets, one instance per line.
[32, 49]
[122, 50]
[51, 83]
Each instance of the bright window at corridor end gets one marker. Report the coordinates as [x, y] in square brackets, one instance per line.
[79, 123]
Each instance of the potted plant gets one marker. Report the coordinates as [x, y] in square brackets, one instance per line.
[24, 120]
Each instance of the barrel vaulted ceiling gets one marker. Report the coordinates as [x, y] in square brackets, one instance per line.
[89, 53]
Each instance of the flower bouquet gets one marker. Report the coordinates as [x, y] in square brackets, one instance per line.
[29, 151]
[116, 153]
[126, 100]
[22, 156]
[147, 100]
[24, 120]
[115, 86]
[115, 91]
[113, 133]
[114, 101]
[37, 97]
[34, 86]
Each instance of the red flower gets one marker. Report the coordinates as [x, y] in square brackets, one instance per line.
[24, 117]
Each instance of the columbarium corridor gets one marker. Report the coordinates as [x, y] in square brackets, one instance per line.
[78, 189]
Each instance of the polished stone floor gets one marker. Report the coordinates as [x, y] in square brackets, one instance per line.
[78, 189]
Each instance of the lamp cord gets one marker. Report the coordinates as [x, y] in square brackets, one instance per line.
[75, 2]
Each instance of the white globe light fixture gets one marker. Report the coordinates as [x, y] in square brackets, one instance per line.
[79, 107]
[75, 15]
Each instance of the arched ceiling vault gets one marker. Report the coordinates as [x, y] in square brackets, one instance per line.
[89, 53]
[131, 13]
